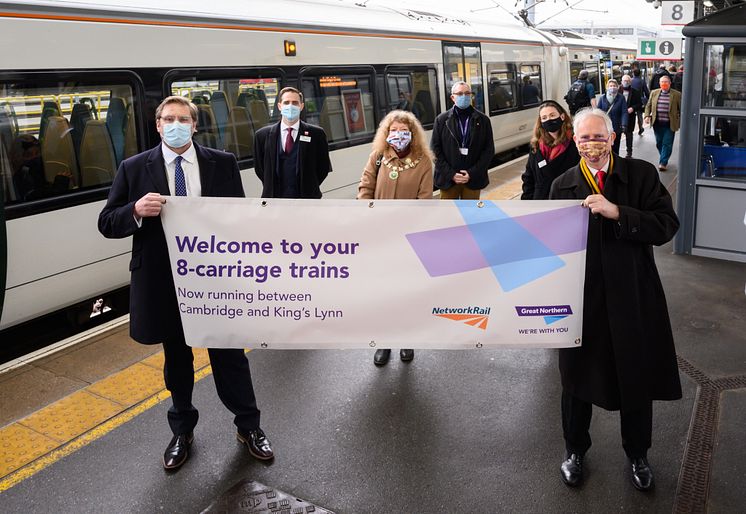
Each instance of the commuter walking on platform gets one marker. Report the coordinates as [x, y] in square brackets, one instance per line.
[616, 108]
[399, 167]
[663, 112]
[639, 84]
[552, 152]
[581, 94]
[291, 157]
[677, 82]
[177, 167]
[463, 145]
[657, 74]
[634, 109]
[627, 358]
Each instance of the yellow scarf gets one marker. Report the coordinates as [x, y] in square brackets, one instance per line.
[588, 174]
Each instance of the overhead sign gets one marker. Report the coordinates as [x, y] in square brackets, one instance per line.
[659, 49]
[677, 13]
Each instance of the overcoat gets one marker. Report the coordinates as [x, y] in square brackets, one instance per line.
[538, 179]
[415, 182]
[154, 312]
[313, 162]
[627, 357]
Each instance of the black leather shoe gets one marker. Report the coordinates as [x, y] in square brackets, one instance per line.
[642, 474]
[381, 357]
[406, 355]
[178, 451]
[572, 470]
[639, 132]
[259, 446]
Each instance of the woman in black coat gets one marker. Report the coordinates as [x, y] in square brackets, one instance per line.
[552, 151]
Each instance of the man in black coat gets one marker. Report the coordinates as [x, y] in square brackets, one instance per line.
[627, 358]
[291, 157]
[177, 167]
[634, 109]
[463, 146]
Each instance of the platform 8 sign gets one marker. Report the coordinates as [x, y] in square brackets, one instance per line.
[253, 273]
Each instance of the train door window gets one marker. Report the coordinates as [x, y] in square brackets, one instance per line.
[502, 87]
[341, 102]
[413, 90]
[463, 61]
[531, 90]
[63, 138]
[591, 67]
[230, 108]
[725, 77]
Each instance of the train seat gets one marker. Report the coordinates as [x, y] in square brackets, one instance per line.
[221, 113]
[242, 133]
[206, 130]
[58, 153]
[259, 113]
[130, 136]
[116, 121]
[80, 116]
[49, 109]
[97, 160]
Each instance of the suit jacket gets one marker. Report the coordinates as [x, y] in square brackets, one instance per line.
[674, 108]
[154, 313]
[627, 355]
[313, 166]
[634, 100]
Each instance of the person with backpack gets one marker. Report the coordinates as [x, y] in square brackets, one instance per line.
[581, 94]
[615, 107]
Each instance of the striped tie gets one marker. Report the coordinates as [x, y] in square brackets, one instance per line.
[179, 180]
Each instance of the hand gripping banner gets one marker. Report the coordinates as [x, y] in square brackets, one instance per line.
[252, 273]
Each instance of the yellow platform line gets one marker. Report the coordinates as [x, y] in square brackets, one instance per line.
[47, 458]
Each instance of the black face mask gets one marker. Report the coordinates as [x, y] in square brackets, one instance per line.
[552, 125]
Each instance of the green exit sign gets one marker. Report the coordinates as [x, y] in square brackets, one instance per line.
[647, 47]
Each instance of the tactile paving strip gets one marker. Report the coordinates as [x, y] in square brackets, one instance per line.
[20, 445]
[255, 498]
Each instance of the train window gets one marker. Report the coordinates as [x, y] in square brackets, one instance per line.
[62, 139]
[230, 110]
[341, 103]
[725, 76]
[724, 148]
[463, 61]
[503, 88]
[531, 91]
[413, 90]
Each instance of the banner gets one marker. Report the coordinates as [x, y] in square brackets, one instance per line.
[274, 273]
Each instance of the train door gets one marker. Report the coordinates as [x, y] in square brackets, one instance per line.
[463, 61]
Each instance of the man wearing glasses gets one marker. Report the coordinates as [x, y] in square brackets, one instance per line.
[463, 145]
[178, 167]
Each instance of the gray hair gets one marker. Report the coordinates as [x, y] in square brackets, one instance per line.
[588, 112]
[457, 84]
[583, 74]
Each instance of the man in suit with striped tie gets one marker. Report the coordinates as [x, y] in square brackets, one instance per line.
[141, 186]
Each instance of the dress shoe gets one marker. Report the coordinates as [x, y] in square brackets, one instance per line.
[639, 132]
[178, 451]
[628, 156]
[572, 470]
[406, 355]
[642, 474]
[662, 167]
[258, 444]
[381, 357]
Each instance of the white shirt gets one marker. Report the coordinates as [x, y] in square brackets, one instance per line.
[604, 168]
[190, 166]
[284, 132]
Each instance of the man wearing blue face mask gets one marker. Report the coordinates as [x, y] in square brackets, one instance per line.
[177, 167]
[291, 157]
[463, 146]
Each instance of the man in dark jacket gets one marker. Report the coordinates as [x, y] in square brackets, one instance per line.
[655, 80]
[177, 167]
[634, 109]
[463, 146]
[291, 157]
[627, 358]
[638, 83]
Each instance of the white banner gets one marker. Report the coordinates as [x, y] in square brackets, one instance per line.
[252, 273]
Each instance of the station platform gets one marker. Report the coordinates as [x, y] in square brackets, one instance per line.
[84, 429]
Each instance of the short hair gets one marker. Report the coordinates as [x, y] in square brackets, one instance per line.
[289, 90]
[630, 78]
[612, 80]
[175, 99]
[590, 112]
[457, 84]
[665, 77]
[636, 73]
[583, 74]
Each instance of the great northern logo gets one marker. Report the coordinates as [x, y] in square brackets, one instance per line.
[550, 313]
[474, 316]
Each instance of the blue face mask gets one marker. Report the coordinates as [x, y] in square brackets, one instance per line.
[290, 112]
[177, 134]
[463, 101]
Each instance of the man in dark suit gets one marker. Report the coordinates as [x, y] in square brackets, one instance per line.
[627, 358]
[177, 167]
[634, 108]
[291, 157]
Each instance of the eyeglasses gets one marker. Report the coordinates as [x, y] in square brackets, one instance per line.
[462, 93]
[181, 119]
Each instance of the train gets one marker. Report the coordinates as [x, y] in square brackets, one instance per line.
[79, 83]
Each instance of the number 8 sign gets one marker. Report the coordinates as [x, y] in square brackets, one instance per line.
[677, 13]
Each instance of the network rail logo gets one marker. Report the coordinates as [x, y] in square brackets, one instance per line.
[474, 316]
[550, 313]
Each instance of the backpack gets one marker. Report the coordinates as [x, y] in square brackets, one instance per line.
[577, 96]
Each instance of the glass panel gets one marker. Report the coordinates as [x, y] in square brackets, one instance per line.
[414, 91]
[59, 139]
[724, 148]
[473, 75]
[453, 65]
[589, 66]
[231, 110]
[341, 104]
[725, 76]
[531, 93]
[502, 87]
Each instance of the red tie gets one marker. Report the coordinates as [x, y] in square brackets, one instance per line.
[289, 141]
[600, 176]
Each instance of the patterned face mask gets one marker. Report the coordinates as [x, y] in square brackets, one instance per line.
[399, 139]
[594, 151]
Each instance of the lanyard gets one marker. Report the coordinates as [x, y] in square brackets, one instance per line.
[464, 130]
[588, 175]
